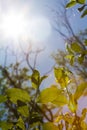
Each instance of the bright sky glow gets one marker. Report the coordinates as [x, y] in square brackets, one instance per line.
[40, 29]
[18, 26]
[14, 25]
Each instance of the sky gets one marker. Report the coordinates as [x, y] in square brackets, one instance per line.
[38, 18]
[35, 20]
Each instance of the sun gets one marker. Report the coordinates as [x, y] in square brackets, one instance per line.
[20, 27]
[14, 25]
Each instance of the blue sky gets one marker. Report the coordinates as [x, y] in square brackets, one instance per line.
[43, 8]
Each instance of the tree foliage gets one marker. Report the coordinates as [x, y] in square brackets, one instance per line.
[82, 8]
[29, 107]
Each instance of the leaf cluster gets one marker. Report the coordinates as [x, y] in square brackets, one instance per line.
[82, 8]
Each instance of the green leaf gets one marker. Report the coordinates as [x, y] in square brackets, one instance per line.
[81, 58]
[80, 90]
[80, 1]
[35, 79]
[48, 94]
[2, 98]
[49, 126]
[58, 73]
[53, 95]
[72, 103]
[5, 126]
[71, 4]
[20, 123]
[61, 100]
[43, 78]
[18, 94]
[76, 47]
[69, 49]
[84, 13]
[61, 76]
[23, 110]
[71, 58]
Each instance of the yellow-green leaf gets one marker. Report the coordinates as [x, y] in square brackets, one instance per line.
[20, 123]
[69, 49]
[80, 1]
[61, 76]
[71, 4]
[49, 126]
[72, 104]
[80, 90]
[53, 95]
[71, 58]
[35, 79]
[5, 126]
[23, 110]
[16, 94]
[48, 94]
[61, 100]
[81, 58]
[76, 47]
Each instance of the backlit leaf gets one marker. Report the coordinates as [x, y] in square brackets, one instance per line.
[76, 48]
[61, 76]
[53, 95]
[80, 1]
[80, 90]
[35, 79]
[72, 104]
[69, 49]
[61, 100]
[20, 123]
[49, 94]
[71, 58]
[18, 94]
[71, 4]
[81, 59]
[24, 111]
